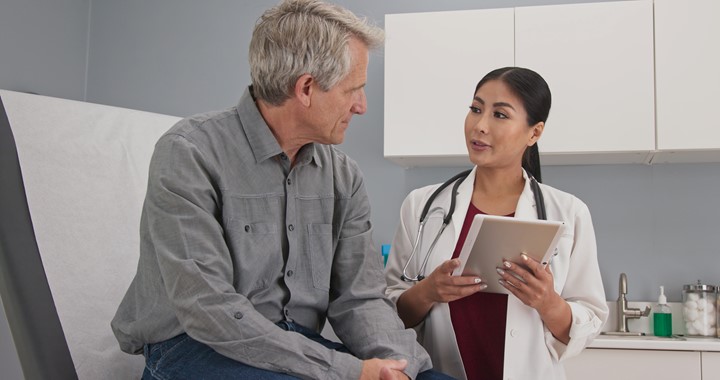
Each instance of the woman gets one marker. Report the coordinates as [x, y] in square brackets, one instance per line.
[555, 311]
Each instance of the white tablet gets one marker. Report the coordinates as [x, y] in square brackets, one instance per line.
[492, 239]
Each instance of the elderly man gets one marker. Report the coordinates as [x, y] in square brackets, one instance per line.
[255, 229]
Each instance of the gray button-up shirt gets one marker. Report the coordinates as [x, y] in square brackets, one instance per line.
[235, 239]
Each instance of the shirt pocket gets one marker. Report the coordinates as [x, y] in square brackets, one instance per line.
[320, 245]
[256, 254]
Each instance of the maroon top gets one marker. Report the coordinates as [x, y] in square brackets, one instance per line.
[479, 323]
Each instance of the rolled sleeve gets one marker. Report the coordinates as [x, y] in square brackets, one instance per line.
[583, 291]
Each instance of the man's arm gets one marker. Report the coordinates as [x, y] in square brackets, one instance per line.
[362, 317]
[186, 233]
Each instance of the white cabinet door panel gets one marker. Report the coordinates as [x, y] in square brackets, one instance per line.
[687, 62]
[710, 365]
[598, 60]
[603, 364]
[432, 63]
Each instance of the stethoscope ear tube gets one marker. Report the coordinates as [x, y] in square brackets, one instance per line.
[539, 198]
[437, 191]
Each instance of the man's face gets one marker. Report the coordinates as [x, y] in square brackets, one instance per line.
[332, 110]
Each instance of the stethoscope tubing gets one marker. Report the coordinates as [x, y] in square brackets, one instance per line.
[458, 179]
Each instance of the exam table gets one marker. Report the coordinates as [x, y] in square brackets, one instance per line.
[74, 176]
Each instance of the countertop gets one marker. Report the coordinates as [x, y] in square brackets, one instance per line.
[656, 343]
[650, 342]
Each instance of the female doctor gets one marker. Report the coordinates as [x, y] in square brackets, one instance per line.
[549, 315]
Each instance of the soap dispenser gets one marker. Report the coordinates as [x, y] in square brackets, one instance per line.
[662, 316]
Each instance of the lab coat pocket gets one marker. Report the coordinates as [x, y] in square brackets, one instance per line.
[320, 246]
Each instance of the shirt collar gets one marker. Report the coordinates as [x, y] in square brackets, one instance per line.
[263, 143]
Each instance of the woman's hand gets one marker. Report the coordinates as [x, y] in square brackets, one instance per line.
[533, 284]
[440, 286]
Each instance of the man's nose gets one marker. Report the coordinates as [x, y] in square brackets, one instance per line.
[360, 105]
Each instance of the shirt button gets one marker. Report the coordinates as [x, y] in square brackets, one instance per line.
[287, 312]
[283, 156]
[513, 333]
[291, 227]
[289, 181]
[238, 315]
[247, 228]
[290, 273]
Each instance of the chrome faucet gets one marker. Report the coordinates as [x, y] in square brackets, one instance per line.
[623, 312]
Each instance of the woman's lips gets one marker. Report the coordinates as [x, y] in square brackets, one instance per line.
[479, 145]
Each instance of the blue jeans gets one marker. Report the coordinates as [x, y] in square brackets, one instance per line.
[182, 357]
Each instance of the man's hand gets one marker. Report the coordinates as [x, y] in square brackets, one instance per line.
[383, 369]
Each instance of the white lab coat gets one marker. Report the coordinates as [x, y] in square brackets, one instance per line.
[531, 352]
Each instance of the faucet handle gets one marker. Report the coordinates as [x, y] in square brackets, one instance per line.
[646, 312]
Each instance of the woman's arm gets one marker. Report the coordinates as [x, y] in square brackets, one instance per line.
[440, 286]
[537, 290]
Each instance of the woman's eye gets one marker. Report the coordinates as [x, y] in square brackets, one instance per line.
[474, 109]
[500, 115]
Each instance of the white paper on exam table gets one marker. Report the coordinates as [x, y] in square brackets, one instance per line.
[492, 239]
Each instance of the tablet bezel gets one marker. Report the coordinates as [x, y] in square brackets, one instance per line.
[510, 238]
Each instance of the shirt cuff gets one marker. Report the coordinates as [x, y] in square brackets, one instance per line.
[345, 366]
[584, 328]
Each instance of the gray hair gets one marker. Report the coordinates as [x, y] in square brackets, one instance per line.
[300, 37]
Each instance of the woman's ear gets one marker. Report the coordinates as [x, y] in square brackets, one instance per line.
[304, 89]
[537, 131]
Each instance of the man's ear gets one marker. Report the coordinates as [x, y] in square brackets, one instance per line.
[304, 89]
[537, 131]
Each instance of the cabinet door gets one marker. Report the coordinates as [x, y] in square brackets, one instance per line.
[598, 60]
[614, 364]
[687, 58]
[432, 63]
[710, 365]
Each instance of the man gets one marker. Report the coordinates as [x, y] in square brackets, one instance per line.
[255, 229]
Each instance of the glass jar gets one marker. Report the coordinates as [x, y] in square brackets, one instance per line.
[700, 310]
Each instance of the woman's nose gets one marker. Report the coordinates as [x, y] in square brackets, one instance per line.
[481, 124]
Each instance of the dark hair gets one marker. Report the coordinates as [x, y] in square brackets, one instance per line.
[534, 93]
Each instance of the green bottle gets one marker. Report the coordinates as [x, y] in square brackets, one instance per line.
[662, 316]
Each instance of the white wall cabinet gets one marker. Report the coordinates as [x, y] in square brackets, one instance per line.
[598, 60]
[603, 364]
[632, 81]
[687, 59]
[432, 63]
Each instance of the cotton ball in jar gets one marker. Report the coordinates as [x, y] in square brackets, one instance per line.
[700, 310]
[691, 314]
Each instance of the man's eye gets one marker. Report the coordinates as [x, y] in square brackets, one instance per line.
[474, 109]
[500, 115]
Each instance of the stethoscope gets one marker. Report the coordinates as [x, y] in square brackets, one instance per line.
[458, 179]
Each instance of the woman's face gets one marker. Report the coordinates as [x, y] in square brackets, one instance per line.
[496, 128]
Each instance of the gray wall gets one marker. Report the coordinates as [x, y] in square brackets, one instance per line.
[656, 223]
